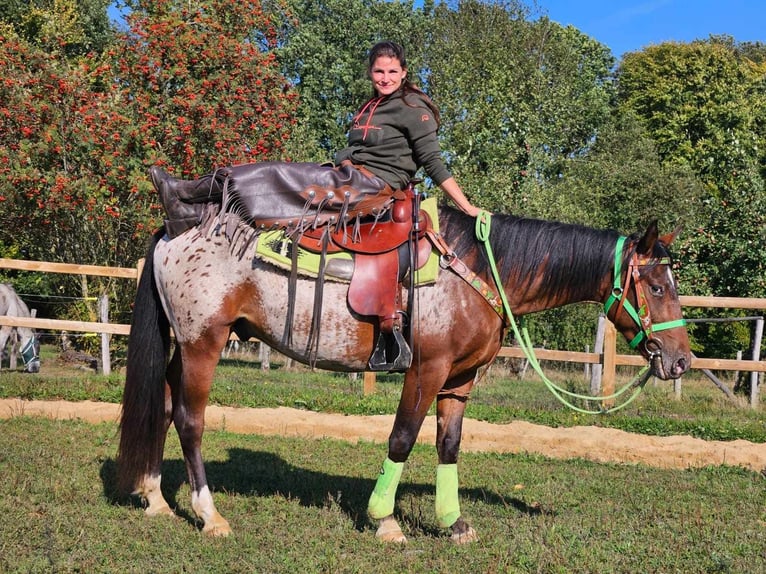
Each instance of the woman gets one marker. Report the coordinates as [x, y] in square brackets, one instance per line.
[392, 135]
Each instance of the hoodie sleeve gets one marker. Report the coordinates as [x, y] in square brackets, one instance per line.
[422, 128]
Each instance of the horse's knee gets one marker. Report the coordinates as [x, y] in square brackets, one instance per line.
[400, 446]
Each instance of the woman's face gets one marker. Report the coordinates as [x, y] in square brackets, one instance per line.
[387, 75]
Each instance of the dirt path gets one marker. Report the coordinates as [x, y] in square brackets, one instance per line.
[592, 443]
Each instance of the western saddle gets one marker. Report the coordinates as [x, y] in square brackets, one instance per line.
[384, 251]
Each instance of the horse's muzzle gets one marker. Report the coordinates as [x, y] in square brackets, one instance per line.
[666, 365]
[32, 366]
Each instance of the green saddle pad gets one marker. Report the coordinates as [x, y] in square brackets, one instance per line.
[275, 247]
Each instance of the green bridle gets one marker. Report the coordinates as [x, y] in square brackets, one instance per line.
[642, 317]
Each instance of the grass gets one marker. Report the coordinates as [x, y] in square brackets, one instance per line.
[298, 506]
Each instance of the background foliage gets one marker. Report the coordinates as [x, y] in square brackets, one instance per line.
[537, 120]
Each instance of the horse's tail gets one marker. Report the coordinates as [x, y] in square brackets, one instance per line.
[142, 425]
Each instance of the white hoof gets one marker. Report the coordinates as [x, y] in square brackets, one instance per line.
[218, 529]
[389, 531]
[161, 509]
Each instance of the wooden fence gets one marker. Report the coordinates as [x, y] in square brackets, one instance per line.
[607, 359]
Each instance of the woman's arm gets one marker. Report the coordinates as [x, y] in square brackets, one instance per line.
[452, 189]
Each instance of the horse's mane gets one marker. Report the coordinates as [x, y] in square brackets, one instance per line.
[571, 257]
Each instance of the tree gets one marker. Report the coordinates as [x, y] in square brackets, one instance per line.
[75, 27]
[517, 97]
[202, 83]
[188, 88]
[703, 105]
[622, 184]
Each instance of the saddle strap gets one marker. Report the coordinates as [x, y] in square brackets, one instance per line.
[450, 260]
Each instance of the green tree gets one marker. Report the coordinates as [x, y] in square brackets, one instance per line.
[622, 184]
[703, 105]
[75, 27]
[518, 96]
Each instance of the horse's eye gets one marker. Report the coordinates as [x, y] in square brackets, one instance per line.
[657, 290]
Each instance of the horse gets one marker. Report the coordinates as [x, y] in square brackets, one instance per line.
[21, 339]
[200, 285]
[15, 340]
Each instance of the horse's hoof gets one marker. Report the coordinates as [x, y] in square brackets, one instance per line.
[464, 537]
[159, 510]
[389, 531]
[463, 533]
[218, 530]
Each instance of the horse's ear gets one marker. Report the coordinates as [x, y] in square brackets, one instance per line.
[668, 238]
[646, 243]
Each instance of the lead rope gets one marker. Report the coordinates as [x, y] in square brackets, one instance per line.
[483, 225]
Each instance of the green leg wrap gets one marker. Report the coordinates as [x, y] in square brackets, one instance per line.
[447, 504]
[382, 499]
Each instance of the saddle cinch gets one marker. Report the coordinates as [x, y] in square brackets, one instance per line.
[383, 252]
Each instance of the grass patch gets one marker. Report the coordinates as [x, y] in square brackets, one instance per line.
[299, 506]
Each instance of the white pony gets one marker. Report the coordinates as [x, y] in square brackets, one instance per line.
[22, 339]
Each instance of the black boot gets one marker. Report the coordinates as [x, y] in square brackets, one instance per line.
[183, 200]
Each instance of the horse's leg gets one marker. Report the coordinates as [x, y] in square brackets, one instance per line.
[13, 349]
[450, 408]
[149, 488]
[198, 362]
[417, 397]
[5, 333]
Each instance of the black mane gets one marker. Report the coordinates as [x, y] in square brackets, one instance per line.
[574, 258]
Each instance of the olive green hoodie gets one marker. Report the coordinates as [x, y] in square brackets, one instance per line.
[393, 136]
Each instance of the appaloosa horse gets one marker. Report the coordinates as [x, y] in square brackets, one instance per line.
[18, 339]
[196, 285]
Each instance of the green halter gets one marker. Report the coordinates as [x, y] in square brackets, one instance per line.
[642, 317]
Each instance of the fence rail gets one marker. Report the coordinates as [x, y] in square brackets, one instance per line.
[608, 359]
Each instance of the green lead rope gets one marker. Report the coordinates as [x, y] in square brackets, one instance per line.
[483, 225]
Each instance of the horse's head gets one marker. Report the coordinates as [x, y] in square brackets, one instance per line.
[644, 306]
[30, 350]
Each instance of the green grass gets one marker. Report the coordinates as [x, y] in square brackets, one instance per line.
[703, 411]
[299, 506]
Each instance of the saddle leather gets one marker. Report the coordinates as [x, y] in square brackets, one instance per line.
[371, 237]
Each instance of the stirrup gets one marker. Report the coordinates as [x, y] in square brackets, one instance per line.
[395, 347]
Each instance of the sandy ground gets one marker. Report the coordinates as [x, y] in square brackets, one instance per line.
[587, 442]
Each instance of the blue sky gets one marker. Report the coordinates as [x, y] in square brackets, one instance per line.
[628, 26]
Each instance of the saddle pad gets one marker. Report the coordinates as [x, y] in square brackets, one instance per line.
[274, 247]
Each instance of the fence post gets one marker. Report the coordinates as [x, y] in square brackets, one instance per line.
[598, 347]
[610, 363]
[264, 355]
[756, 356]
[103, 316]
[677, 384]
[369, 383]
